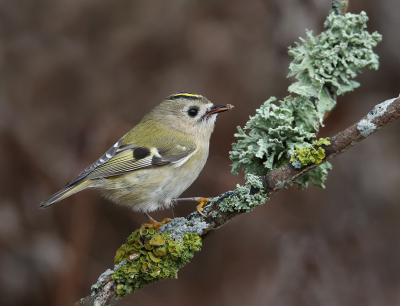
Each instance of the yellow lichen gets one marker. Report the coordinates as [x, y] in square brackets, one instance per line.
[311, 155]
[157, 240]
[151, 257]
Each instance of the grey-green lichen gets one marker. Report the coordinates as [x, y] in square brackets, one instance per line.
[333, 58]
[177, 228]
[366, 126]
[97, 293]
[244, 198]
[102, 278]
[316, 176]
[145, 259]
[273, 135]
[323, 65]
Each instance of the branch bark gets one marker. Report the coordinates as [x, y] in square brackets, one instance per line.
[276, 180]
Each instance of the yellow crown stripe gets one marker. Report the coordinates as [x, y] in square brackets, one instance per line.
[187, 95]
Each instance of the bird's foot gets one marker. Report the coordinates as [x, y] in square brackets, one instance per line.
[153, 223]
[202, 202]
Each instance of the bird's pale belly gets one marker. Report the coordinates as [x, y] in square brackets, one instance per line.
[149, 189]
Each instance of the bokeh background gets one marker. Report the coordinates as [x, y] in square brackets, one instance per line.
[77, 75]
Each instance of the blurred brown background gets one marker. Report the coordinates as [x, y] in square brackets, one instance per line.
[77, 75]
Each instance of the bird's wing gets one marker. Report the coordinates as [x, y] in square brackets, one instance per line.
[123, 158]
[117, 147]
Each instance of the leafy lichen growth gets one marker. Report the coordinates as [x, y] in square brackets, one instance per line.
[274, 133]
[326, 62]
[244, 198]
[150, 258]
[313, 154]
[316, 176]
[333, 58]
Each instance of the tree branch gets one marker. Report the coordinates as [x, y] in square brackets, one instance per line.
[273, 182]
[276, 180]
[215, 217]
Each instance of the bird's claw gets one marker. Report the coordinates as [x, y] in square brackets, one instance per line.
[202, 203]
[153, 223]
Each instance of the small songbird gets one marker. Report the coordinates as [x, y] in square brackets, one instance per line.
[150, 167]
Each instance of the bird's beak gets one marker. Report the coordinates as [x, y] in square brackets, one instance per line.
[218, 109]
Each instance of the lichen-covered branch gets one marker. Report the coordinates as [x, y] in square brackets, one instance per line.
[231, 204]
[287, 174]
[277, 147]
[382, 114]
[324, 67]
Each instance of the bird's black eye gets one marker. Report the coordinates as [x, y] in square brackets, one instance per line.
[193, 111]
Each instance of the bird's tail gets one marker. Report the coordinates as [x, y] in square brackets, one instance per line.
[64, 193]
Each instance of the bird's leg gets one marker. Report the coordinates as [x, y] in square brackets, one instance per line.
[202, 202]
[153, 223]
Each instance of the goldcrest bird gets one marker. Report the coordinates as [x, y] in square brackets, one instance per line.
[157, 160]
